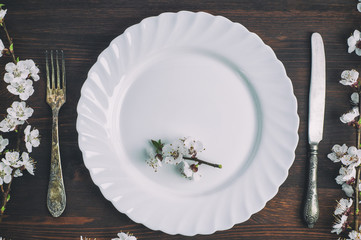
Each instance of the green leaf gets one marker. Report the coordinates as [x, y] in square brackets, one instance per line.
[3, 209]
[2, 5]
[154, 142]
[8, 198]
[11, 48]
[17, 59]
[158, 145]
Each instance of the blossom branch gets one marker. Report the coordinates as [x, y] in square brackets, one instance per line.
[19, 76]
[177, 153]
[121, 236]
[350, 159]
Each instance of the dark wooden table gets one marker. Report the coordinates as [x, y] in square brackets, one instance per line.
[84, 28]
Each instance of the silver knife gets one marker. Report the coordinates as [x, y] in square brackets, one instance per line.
[316, 115]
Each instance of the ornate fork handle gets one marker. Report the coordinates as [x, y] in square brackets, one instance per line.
[311, 211]
[56, 191]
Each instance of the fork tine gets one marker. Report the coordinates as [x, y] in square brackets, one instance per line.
[63, 69]
[47, 69]
[57, 70]
[52, 70]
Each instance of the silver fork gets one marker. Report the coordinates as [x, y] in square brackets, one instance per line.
[55, 97]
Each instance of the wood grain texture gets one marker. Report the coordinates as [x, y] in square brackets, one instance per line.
[83, 28]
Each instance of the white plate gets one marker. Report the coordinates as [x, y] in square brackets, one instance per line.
[188, 74]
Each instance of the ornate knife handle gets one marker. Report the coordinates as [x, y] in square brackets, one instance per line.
[311, 211]
[56, 200]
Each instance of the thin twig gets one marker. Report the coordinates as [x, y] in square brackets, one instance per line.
[358, 172]
[10, 41]
[204, 162]
[357, 210]
[5, 195]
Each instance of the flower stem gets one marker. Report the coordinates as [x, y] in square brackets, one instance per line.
[20, 136]
[358, 172]
[357, 210]
[204, 162]
[5, 195]
[10, 41]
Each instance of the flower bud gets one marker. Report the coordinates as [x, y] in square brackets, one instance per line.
[159, 157]
[194, 167]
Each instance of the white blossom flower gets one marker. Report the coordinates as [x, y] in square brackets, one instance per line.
[12, 159]
[19, 111]
[340, 224]
[27, 162]
[8, 78]
[354, 43]
[349, 77]
[2, 47]
[173, 153]
[15, 72]
[31, 138]
[124, 236]
[350, 173]
[17, 76]
[2, 14]
[350, 116]
[18, 173]
[193, 146]
[3, 143]
[337, 152]
[190, 172]
[22, 87]
[343, 206]
[185, 169]
[154, 160]
[355, 98]
[348, 189]
[352, 151]
[9, 124]
[5, 173]
[32, 68]
[346, 174]
[359, 7]
[354, 235]
[340, 178]
[353, 157]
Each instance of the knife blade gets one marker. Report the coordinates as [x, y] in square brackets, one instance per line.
[317, 97]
